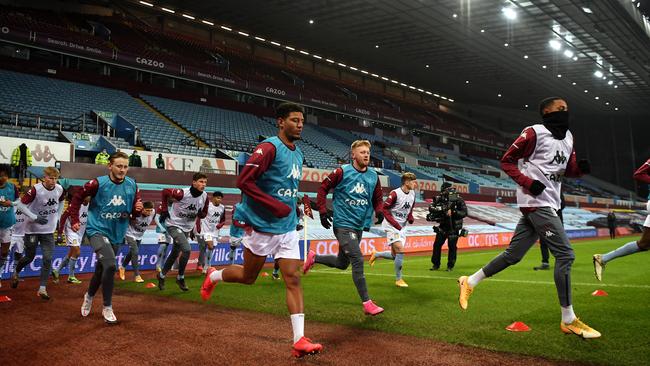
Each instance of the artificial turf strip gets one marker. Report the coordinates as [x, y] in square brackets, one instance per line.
[429, 307]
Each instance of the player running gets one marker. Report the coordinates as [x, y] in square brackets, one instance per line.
[357, 193]
[8, 194]
[269, 183]
[113, 199]
[537, 161]
[207, 230]
[190, 203]
[398, 209]
[73, 239]
[642, 175]
[137, 226]
[43, 204]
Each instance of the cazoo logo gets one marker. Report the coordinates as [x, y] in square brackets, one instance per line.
[150, 62]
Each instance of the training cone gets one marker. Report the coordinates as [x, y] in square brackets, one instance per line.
[150, 285]
[5, 298]
[599, 293]
[265, 274]
[518, 327]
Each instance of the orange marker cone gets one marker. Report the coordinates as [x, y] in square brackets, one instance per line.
[5, 299]
[518, 327]
[599, 293]
[150, 285]
[265, 274]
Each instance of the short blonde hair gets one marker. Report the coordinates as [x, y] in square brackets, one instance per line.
[360, 143]
[51, 171]
[408, 176]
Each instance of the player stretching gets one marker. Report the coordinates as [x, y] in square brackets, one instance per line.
[113, 199]
[269, 183]
[43, 204]
[72, 238]
[137, 226]
[398, 209]
[207, 231]
[642, 175]
[357, 193]
[544, 153]
[191, 202]
[8, 194]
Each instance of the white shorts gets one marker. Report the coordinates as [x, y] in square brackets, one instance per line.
[5, 235]
[647, 219]
[17, 242]
[393, 235]
[72, 239]
[277, 245]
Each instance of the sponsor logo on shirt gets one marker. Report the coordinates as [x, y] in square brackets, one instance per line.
[117, 201]
[359, 188]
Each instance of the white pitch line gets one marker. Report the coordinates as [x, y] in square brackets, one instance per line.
[490, 279]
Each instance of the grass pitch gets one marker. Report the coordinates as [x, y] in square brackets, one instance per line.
[429, 307]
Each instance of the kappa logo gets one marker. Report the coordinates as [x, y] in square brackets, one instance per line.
[191, 207]
[259, 151]
[559, 158]
[549, 233]
[407, 205]
[85, 214]
[51, 202]
[295, 172]
[359, 188]
[117, 201]
[143, 224]
[216, 214]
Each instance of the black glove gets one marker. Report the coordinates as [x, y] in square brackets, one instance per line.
[59, 239]
[299, 227]
[326, 220]
[584, 166]
[163, 216]
[380, 217]
[537, 188]
[366, 229]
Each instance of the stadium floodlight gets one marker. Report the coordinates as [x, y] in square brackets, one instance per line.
[329, 60]
[311, 21]
[586, 91]
[555, 44]
[342, 64]
[290, 48]
[568, 53]
[610, 82]
[394, 81]
[353, 68]
[364, 72]
[226, 28]
[275, 43]
[559, 75]
[304, 52]
[316, 57]
[384, 78]
[260, 39]
[146, 3]
[598, 74]
[526, 57]
[402, 84]
[207, 22]
[615, 108]
[188, 16]
[575, 58]
[451, 100]
[429, 93]
[243, 34]
[596, 98]
[168, 10]
[587, 10]
[509, 13]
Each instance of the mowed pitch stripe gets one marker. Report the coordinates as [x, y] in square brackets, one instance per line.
[489, 279]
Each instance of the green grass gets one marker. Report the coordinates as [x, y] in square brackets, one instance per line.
[429, 307]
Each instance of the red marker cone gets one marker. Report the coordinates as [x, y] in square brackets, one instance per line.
[150, 285]
[265, 274]
[5, 299]
[518, 327]
[599, 293]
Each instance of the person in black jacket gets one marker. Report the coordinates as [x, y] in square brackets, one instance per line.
[611, 224]
[448, 210]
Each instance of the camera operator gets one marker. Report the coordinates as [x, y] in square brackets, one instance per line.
[448, 210]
